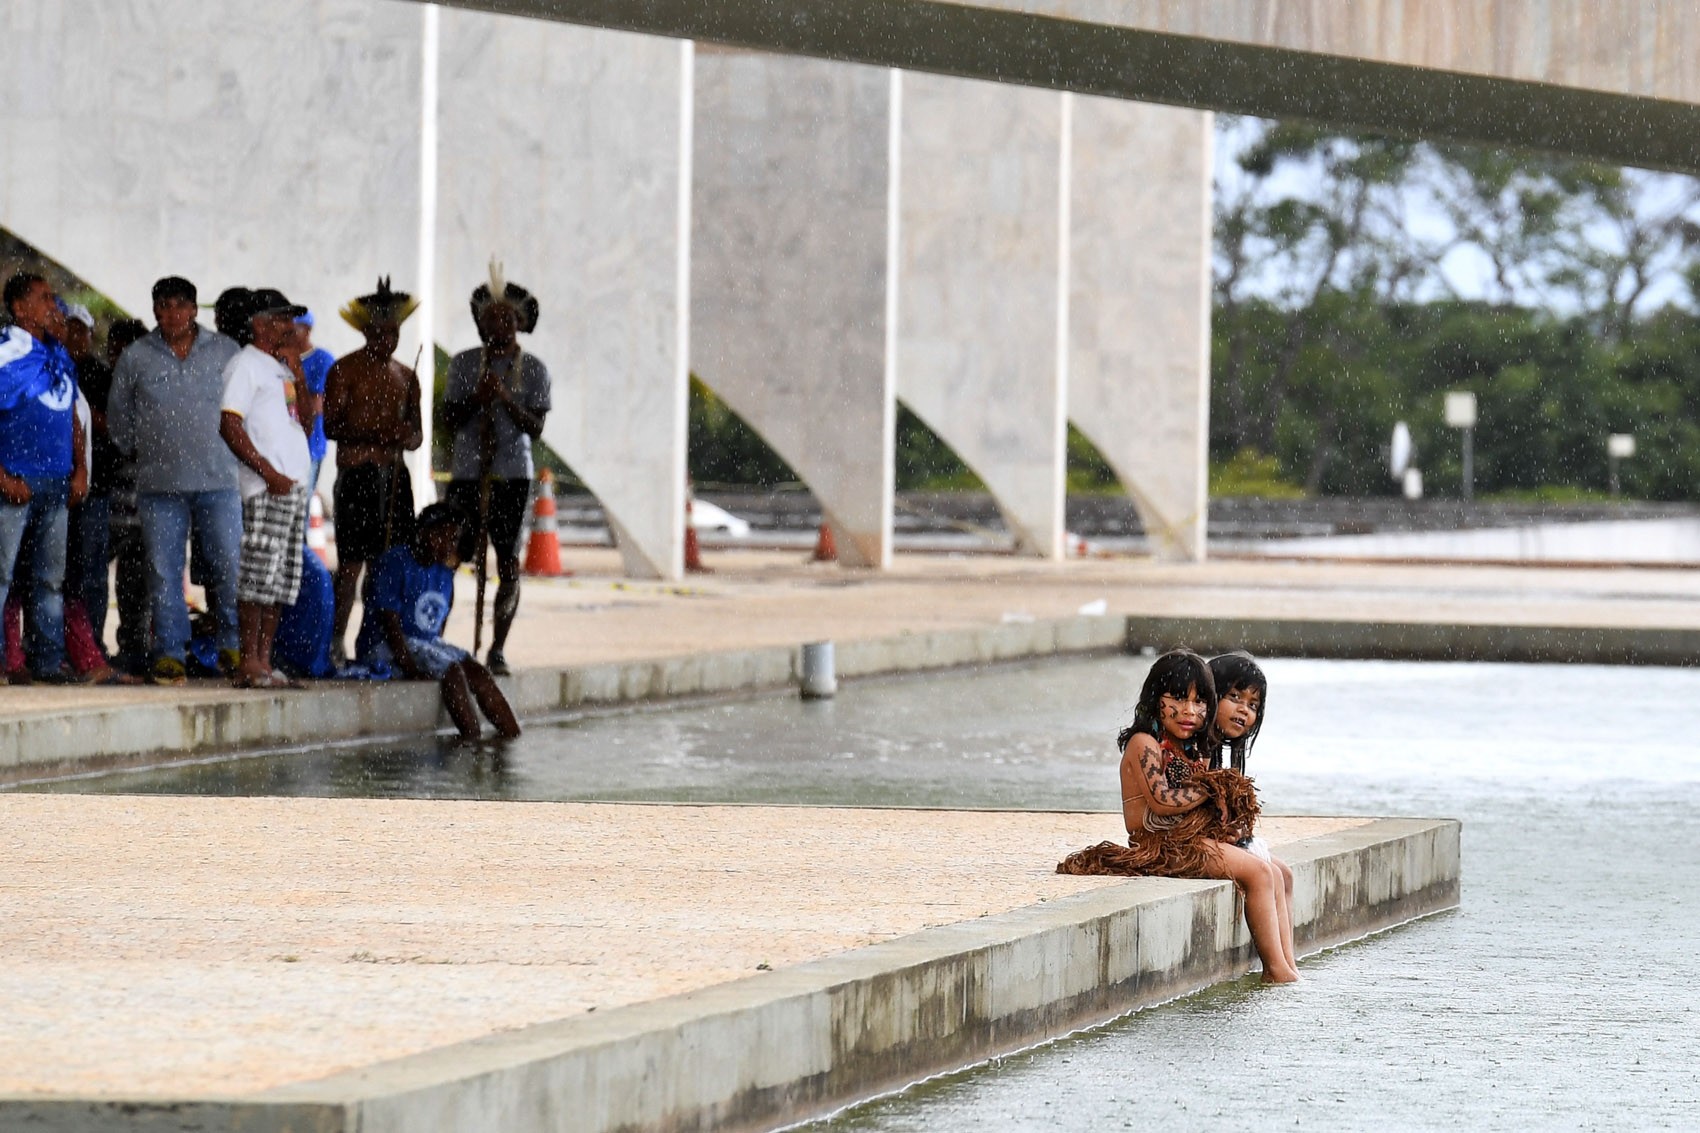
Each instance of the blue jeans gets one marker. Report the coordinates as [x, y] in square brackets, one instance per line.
[96, 557]
[43, 520]
[214, 519]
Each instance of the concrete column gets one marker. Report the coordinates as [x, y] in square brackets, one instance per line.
[1139, 313]
[256, 142]
[791, 226]
[565, 152]
[981, 296]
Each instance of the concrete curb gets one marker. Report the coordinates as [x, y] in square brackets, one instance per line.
[1420, 641]
[224, 720]
[778, 1048]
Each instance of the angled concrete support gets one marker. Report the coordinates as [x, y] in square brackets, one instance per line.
[565, 152]
[791, 223]
[1139, 312]
[980, 289]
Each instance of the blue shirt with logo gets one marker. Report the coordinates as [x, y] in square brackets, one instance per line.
[38, 399]
[422, 593]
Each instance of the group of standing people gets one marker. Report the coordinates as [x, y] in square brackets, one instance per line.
[190, 447]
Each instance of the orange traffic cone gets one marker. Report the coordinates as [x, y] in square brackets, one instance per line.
[316, 541]
[826, 547]
[693, 549]
[543, 549]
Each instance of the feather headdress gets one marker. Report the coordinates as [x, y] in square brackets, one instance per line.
[499, 290]
[381, 306]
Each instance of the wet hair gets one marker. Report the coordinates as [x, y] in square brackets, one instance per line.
[1234, 671]
[1172, 674]
[233, 313]
[441, 514]
[120, 335]
[19, 286]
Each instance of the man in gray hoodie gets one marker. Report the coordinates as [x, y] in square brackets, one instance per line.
[164, 409]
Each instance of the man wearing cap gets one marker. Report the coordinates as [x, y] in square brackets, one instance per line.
[496, 401]
[165, 409]
[316, 363]
[264, 390]
[43, 465]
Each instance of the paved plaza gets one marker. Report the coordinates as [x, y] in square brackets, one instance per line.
[197, 946]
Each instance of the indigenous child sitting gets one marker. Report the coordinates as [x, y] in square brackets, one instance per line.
[1183, 818]
[1243, 691]
[411, 593]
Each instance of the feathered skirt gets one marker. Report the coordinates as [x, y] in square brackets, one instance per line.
[1188, 847]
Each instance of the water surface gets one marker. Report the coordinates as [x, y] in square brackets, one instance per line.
[1558, 996]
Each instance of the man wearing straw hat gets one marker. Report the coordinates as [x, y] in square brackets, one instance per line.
[372, 413]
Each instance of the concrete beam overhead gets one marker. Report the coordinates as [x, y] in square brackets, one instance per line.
[1613, 80]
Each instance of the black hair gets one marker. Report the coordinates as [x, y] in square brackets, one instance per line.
[1172, 674]
[1233, 672]
[121, 334]
[174, 287]
[233, 314]
[19, 286]
[440, 513]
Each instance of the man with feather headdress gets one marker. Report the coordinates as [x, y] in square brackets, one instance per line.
[372, 413]
[495, 404]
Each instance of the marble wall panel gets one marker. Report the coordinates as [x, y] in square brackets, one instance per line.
[980, 272]
[251, 141]
[565, 153]
[789, 266]
[1139, 310]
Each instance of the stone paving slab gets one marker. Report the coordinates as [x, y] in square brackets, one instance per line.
[176, 947]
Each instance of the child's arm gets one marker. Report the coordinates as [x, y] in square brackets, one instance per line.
[1144, 775]
[397, 641]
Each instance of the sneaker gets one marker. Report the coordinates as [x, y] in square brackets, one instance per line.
[169, 671]
[497, 664]
[229, 660]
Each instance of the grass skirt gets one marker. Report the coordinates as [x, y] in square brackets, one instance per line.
[1189, 848]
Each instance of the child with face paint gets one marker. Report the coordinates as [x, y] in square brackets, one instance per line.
[1185, 818]
[1242, 694]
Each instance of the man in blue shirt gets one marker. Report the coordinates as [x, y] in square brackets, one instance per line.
[411, 594]
[43, 467]
[316, 363]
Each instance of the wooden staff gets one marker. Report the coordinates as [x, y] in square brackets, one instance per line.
[486, 460]
[398, 466]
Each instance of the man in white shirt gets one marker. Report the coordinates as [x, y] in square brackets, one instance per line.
[260, 421]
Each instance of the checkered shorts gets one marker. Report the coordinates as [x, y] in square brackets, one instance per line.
[274, 529]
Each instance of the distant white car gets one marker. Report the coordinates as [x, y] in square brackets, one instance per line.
[706, 517]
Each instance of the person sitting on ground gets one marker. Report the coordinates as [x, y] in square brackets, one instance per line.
[372, 412]
[495, 403]
[43, 462]
[411, 594]
[1242, 693]
[261, 424]
[1184, 819]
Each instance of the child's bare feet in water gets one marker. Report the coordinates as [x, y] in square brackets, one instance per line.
[1288, 976]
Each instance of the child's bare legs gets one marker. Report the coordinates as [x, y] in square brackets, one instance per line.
[1259, 882]
[1284, 895]
[496, 707]
[457, 698]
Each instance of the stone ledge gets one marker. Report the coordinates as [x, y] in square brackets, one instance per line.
[766, 1052]
[1420, 641]
[223, 720]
